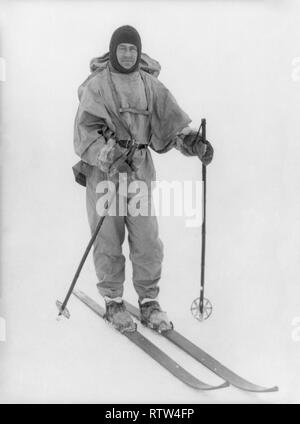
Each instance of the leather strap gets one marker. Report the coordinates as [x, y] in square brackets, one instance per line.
[127, 143]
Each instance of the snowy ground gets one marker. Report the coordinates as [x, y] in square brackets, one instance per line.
[83, 360]
[252, 108]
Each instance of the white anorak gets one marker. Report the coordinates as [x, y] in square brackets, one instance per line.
[128, 106]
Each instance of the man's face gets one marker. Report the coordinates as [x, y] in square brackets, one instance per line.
[126, 55]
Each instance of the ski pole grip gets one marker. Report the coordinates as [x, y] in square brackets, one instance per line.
[203, 124]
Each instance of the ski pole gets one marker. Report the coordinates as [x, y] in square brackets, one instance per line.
[62, 305]
[201, 307]
[127, 157]
[203, 225]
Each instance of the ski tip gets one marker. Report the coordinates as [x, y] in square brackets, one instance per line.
[258, 389]
[272, 389]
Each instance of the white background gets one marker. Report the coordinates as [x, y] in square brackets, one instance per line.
[228, 61]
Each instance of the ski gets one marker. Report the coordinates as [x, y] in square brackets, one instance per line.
[205, 359]
[152, 350]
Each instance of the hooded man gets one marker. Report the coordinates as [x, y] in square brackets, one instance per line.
[122, 105]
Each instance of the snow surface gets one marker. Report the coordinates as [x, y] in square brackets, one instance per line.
[242, 78]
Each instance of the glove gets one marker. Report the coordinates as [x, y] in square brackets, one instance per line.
[199, 147]
[108, 155]
[204, 151]
[111, 158]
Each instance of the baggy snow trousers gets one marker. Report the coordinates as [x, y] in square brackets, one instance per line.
[146, 248]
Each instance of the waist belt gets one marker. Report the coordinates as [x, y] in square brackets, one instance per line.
[127, 143]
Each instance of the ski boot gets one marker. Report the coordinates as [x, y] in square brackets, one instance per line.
[118, 316]
[153, 317]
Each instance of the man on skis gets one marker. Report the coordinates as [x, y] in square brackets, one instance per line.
[123, 104]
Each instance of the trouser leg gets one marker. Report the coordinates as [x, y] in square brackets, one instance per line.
[146, 253]
[107, 254]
